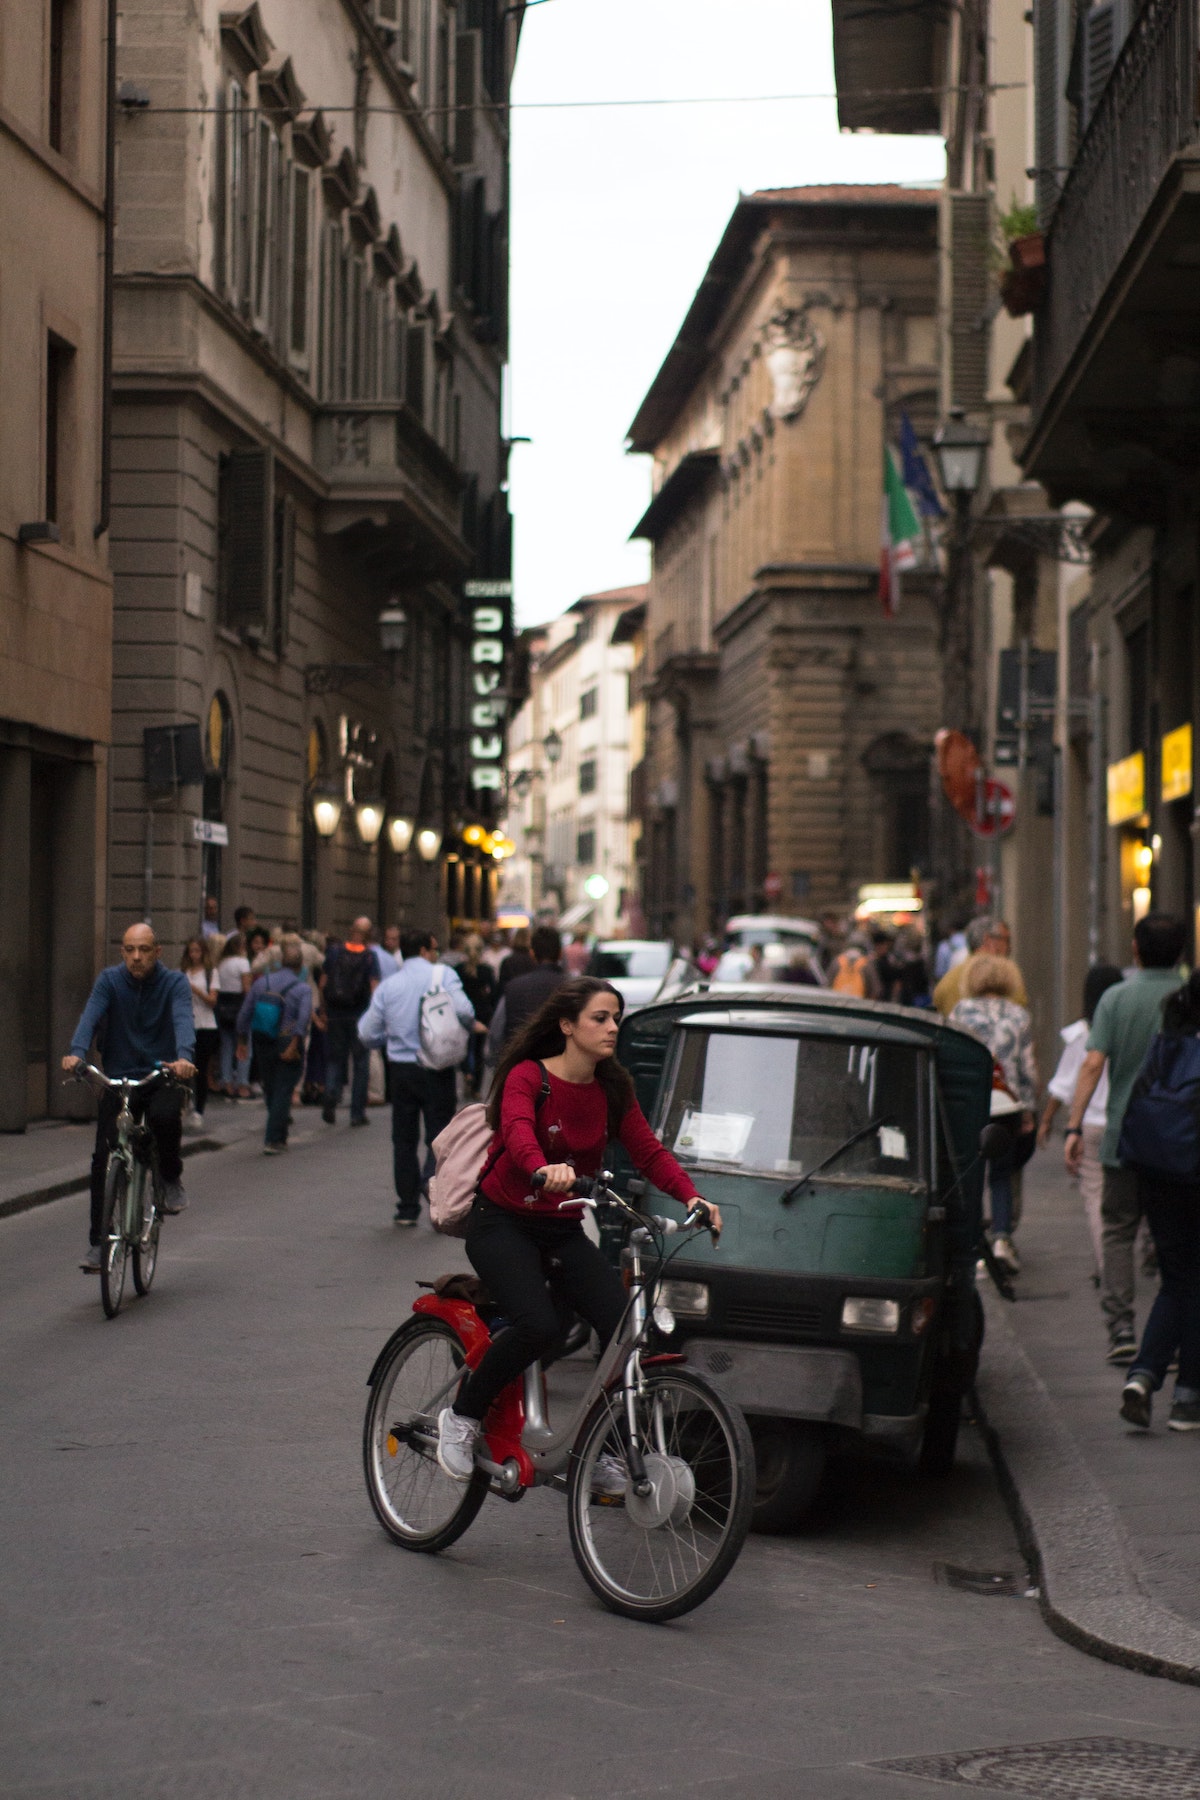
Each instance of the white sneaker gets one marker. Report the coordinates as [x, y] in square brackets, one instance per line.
[91, 1262]
[609, 1477]
[456, 1444]
[1003, 1251]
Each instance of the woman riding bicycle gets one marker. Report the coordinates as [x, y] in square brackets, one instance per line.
[556, 1125]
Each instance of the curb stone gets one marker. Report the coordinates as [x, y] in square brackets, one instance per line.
[1090, 1594]
[78, 1184]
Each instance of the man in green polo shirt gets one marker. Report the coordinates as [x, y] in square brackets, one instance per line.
[1125, 1021]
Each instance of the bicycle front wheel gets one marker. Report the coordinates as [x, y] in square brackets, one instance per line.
[114, 1248]
[417, 1504]
[148, 1225]
[656, 1557]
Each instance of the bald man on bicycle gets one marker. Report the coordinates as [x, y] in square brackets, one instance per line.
[142, 1016]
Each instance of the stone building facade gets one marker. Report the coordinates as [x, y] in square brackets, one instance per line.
[55, 586]
[788, 723]
[568, 813]
[309, 336]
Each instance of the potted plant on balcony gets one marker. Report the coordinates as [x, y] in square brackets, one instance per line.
[1023, 282]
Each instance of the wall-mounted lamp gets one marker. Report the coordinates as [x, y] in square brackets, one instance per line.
[393, 629]
[429, 842]
[326, 802]
[369, 817]
[552, 744]
[400, 834]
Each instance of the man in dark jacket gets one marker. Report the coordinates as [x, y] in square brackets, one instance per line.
[350, 977]
[525, 993]
[142, 1015]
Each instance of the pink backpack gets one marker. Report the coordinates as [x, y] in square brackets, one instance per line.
[460, 1154]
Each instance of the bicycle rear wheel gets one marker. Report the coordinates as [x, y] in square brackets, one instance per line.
[145, 1250]
[114, 1250]
[658, 1557]
[417, 1504]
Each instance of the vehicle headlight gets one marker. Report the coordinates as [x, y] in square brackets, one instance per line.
[864, 1312]
[689, 1299]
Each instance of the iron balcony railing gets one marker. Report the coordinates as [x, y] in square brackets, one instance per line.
[1146, 114]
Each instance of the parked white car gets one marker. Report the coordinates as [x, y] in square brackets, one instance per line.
[780, 938]
[635, 966]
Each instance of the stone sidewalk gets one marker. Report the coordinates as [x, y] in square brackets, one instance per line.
[1112, 1514]
[51, 1159]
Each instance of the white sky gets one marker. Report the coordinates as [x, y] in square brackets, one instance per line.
[615, 214]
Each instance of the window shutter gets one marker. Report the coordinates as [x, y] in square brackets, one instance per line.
[1103, 34]
[301, 274]
[284, 569]
[466, 95]
[1052, 56]
[414, 370]
[245, 551]
[968, 309]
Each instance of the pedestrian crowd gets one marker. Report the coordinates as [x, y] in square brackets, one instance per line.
[301, 1018]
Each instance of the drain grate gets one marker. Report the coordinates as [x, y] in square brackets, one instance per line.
[980, 1581]
[1081, 1769]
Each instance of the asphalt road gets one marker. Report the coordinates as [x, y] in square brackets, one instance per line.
[197, 1600]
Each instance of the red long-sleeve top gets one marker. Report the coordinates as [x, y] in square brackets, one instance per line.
[570, 1126]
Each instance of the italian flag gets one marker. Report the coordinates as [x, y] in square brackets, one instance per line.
[900, 532]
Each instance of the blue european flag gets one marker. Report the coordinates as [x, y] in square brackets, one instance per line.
[916, 472]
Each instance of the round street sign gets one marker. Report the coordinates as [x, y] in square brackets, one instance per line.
[772, 886]
[995, 810]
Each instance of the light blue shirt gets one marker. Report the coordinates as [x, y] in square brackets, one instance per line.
[393, 1018]
[385, 963]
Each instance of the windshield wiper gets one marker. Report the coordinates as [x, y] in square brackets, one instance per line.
[789, 1194]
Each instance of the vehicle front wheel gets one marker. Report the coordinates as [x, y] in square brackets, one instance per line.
[789, 1462]
[145, 1251]
[114, 1249]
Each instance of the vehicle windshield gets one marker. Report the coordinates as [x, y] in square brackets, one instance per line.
[780, 1105]
[611, 961]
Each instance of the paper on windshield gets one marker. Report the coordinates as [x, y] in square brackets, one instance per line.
[893, 1145]
[713, 1137]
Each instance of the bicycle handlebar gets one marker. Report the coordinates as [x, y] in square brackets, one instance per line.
[129, 1082]
[583, 1192]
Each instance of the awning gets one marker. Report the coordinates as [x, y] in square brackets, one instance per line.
[575, 915]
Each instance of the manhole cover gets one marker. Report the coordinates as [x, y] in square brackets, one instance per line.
[1082, 1769]
[980, 1581]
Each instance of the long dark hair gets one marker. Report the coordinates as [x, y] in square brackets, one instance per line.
[1099, 978]
[543, 1037]
[1181, 1009]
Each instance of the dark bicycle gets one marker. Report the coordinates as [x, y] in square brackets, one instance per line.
[131, 1218]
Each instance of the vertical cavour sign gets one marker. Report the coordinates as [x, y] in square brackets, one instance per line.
[490, 602]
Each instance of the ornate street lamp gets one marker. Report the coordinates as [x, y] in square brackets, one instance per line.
[429, 842]
[400, 834]
[960, 448]
[369, 816]
[552, 744]
[326, 802]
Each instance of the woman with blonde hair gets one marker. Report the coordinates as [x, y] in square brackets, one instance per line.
[992, 1014]
[197, 963]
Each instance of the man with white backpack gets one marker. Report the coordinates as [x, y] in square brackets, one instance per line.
[422, 1020]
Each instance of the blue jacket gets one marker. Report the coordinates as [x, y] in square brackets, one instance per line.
[139, 1023]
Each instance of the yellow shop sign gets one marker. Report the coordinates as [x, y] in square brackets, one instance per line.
[1126, 788]
[1177, 763]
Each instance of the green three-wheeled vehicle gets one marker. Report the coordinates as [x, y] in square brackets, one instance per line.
[841, 1139]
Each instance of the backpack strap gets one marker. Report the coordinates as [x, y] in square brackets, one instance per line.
[543, 1096]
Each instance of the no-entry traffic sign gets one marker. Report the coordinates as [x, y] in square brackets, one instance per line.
[995, 809]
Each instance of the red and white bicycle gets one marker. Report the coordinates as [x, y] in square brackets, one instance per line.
[654, 1551]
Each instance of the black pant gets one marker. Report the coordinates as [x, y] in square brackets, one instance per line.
[163, 1112]
[278, 1079]
[343, 1043]
[1173, 1214]
[416, 1093]
[510, 1253]
[208, 1043]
